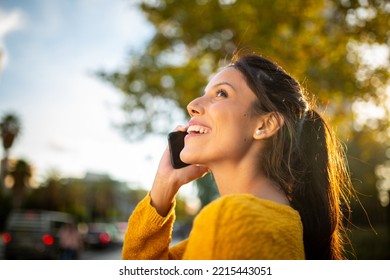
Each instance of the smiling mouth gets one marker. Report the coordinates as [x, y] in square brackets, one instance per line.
[197, 129]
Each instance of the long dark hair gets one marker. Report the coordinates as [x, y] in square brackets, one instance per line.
[305, 157]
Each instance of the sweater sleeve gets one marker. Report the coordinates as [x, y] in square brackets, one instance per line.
[148, 234]
[230, 229]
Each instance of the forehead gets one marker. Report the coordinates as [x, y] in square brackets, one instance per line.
[232, 77]
[228, 74]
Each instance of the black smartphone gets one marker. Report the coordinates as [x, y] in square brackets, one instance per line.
[176, 144]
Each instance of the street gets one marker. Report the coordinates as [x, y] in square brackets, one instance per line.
[114, 253]
[111, 253]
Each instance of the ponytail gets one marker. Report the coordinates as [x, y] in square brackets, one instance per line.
[317, 191]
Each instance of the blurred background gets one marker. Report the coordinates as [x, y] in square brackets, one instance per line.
[90, 89]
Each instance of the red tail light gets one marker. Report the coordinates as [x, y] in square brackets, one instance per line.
[48, 239]
[104, 237]
[6, 237]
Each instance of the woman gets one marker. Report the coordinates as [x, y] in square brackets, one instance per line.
[277, 165]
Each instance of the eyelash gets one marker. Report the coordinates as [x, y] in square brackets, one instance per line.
[221, 91]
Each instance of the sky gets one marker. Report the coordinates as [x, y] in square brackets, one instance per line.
[50, 50]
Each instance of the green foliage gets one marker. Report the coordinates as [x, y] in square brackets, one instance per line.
[207, 189]
[319, 42]
[9, 129]
[369, 244]
[98, 200]
[330, 46]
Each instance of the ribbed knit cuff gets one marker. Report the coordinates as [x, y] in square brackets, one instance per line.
[151, 213]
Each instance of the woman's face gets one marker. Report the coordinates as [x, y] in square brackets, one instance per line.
[222, 123]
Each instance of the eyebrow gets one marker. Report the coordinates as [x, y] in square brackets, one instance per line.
[221, 84]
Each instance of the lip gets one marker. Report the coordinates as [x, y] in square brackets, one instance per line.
[197, 124]
[194, 121]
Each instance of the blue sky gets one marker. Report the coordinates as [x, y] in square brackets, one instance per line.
[51, 48]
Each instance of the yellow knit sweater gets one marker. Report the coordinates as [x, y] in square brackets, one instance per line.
[238, 226]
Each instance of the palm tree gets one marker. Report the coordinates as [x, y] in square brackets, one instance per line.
[21, 173]
[9, 129]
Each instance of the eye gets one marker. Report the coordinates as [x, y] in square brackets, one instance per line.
[221, 93]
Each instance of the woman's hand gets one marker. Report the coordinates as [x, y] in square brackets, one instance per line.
[168, 180]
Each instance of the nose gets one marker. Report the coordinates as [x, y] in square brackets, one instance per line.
[195, 108]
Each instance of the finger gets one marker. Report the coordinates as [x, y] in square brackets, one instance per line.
[203, 170]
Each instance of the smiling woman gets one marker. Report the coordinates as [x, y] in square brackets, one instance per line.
[280, 172]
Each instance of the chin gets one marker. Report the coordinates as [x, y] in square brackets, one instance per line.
[188, 158]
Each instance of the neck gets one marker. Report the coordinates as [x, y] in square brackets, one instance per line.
[246, 179]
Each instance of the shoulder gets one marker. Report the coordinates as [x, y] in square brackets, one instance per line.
[242, 207]
[242, 226]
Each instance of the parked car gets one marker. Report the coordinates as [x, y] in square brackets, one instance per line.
[122, 226]
[102, 235]
[31, 234]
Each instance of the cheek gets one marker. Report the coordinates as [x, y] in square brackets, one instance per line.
[233, 139]
[234, 127]
[238, 126]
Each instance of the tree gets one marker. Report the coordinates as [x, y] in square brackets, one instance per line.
[10, 129]
[207, 190]
[338, 50]
[21, 173]
[320, 42]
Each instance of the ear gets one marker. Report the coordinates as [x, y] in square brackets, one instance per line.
[268, 125]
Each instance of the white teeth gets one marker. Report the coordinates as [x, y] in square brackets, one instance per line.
[197, 129]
